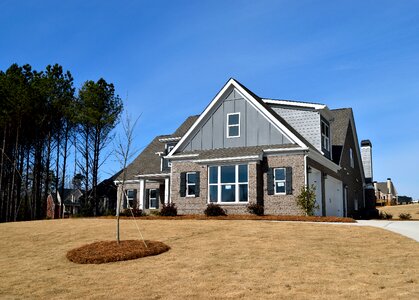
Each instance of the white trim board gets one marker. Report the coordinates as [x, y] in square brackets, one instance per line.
[260, 108]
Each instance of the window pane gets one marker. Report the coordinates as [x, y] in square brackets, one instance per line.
[153, 203]
[233, 131]
[153, 194]
[228, 193]
[213, 193]
[228, 174]
[280, 187]
[191, 189]
[191, 177]
[243, 192]
[280, 174]
[213, 175]
[130, 193]
[233, 119]
[242, 173]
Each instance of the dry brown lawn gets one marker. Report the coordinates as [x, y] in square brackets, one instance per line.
[412, 209]
[210, 259]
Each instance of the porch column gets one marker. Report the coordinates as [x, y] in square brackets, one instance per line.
[142, 194]
[166, 190]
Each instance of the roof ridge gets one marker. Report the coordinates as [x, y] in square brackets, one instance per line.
[290, 100]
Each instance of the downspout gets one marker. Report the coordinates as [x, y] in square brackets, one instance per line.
[305, 168]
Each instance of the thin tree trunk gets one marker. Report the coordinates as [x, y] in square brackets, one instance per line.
[13, 199]
[2, 200]
[64, 166]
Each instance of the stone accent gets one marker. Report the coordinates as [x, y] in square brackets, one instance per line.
[284, 204]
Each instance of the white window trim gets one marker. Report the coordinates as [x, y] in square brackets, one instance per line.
[233, 125]
[280, 180]
[129, 198]
[326, 138]
[236, 185]
[188, 184]
[149, 199]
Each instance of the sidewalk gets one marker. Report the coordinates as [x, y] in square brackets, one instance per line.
[409, 229]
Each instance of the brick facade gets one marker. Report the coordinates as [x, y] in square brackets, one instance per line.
[284, 204]
[274, 204]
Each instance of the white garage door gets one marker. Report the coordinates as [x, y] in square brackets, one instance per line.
[315, 178]
[334, 197]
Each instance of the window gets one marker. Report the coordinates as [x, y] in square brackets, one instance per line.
[153, 199]
[190, 184]
[228, 184]
[233, 125]
[356, 204]
[130, 198]
[351, 157]
[325, 135]
[279, 181]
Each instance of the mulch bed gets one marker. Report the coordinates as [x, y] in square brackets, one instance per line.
[111, 251]
[248, 217]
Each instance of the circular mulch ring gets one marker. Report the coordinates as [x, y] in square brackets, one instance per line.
[110, 251]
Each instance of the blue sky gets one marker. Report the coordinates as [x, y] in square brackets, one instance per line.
[168, 59]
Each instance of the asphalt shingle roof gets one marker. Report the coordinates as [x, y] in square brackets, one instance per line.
[148, 162]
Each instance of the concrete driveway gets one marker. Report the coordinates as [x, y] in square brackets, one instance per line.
[409, 229]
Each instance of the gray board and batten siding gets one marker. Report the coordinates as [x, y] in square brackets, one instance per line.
[305, 121]
[255, 129]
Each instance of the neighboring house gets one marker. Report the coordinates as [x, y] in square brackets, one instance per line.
[70, 200]
[385, 193]
[245, 149]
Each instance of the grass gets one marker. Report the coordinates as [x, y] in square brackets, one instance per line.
[412, 209]
[210, 259]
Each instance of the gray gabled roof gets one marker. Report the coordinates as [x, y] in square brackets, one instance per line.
[339, 126]
[148, 162]
[382, 186]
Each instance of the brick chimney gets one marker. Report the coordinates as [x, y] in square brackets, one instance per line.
[366, 156]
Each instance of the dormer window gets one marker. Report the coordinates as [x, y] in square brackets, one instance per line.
[325, 136]
[233, 125]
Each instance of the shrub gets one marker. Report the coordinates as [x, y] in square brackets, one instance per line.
[255, 209]
[169, 210]
[306, 200]
[128, 212]
[405, 216]
[214, 210]
[385, 215]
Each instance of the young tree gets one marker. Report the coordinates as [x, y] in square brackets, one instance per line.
[124, 154]
[306, 200]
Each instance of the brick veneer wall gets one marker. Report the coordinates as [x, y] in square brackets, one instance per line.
[197, 205]
[284, 204]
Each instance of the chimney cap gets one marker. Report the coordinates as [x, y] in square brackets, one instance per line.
[389, 179]
[366, 143]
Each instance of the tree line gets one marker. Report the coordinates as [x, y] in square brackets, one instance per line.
[42, 117]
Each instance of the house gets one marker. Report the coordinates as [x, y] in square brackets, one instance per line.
[70, 200]
[385, 193]
[246, 149]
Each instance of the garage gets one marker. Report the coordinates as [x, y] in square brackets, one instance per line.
[315, 178]
[334, 197]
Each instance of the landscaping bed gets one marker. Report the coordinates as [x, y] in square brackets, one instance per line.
[110, 251]
[247, 217]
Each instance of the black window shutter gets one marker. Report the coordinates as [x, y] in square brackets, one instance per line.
[270, 181]
[147, 198]
[157, 198]
[182, 188]
[124, 202]
[288, 177]
[134, 204]
[197, 184]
